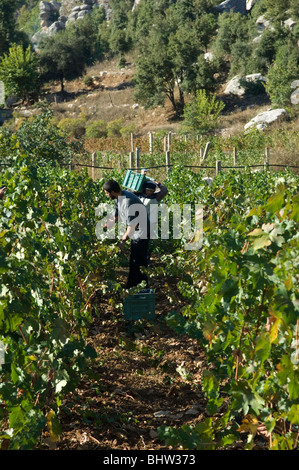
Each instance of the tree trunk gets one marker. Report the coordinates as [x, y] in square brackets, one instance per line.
[172, 100]
[181, 102]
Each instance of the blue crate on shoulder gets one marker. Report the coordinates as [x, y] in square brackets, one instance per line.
[140, 306]
[134, 181]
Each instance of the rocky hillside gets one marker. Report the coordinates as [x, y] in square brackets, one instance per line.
[55, 15]
[107, 92]
[109, 96]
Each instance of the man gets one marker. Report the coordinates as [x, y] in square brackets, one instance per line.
[130, 211]
[153, 193]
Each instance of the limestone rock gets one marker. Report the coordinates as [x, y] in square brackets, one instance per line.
[290, 23]
[262, 24]
[54, 16]
[237, 6]
[295, 97]
[136, 3]
[234, 87]
[262, 120]
[250, 4]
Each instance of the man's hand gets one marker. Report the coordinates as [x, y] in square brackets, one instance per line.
[122, 245]
[129, 234]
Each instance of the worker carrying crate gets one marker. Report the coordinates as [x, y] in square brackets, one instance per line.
[148, 190]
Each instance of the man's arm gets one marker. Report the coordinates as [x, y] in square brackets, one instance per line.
[162, 193]
[128, 234]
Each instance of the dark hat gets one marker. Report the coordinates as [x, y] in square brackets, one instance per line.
[150, 185]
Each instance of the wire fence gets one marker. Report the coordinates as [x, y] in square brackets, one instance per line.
[167, 166]
[133, 163]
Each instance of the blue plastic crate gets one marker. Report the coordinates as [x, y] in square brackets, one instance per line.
[140, 306]
[134, 181]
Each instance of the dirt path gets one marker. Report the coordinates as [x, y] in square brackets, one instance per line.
[145, 376]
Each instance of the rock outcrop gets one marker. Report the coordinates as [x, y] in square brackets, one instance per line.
[262, 120]
[55, 16]
[237, 6]
[234, 86]
[295, 94]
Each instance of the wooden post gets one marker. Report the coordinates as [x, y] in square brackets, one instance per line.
[201, 153]
[165, 143]
[132, 142]
[72, 166]
[168, 161]
[218, 167]
[131, 160]
[150, 136]
[168, 140]
[137, 157]
[93, 163]
[207, 147]
[267, 154]
[235, 156]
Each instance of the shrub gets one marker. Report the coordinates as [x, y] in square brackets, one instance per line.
[88, 80]
[44, 141]
[19, 72]
[127, 130]
[96, 129]
[201, 114]
[73, 127]
[281, 73]
[114, 127]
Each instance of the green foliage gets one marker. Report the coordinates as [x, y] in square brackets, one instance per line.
[277, 10]
[232, 27]
[252, 88]
[96, 129]
[49, 258]
[88, 80]
[241, 58]
[114, 127]
[73, 127]
[167, 55]
[281, 73]
[240, 290]
[127, 129]
[61, 58]
[264, 53]
[66, 55]
[169, 39]
[41, 139]
[28, 19]
[201, 114]
[19, 72]
[243, 308]
[100, 128]
[8, 31]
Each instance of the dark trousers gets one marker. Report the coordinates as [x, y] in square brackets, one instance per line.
[138, 258]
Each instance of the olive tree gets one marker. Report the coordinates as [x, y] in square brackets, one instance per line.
[168, 53]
